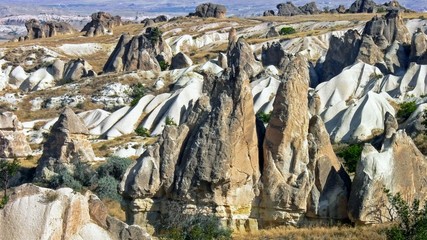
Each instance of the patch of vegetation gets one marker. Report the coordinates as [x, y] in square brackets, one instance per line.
[65, 179]
[411, 219]
[7, 171]
[155, 36]
[164, 65]
[381, 10]
[115, 167]
[138, 91]
[50, 196]
[169, 121]
[287, 31]
[142, 131]
[376, 76]
[264, 117]
[405, 110]
[351, 155]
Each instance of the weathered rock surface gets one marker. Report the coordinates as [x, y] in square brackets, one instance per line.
[206, 10]
[139, 52]
[310, 8]
[36, 29]
[363, 6]
[272, 33]
[240, 54]
[274, 54]
[150, 21]
[419, 47]
[102, 23]
[77, 69]
[300, 172]
[399, 167]
[57, 69]
[180, 60]
[288, 9]
[13, 142]
[39, 213]
[341, 9]
[66, 145]
[216, 165]
[268, 13]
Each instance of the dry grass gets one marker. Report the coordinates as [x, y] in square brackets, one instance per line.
[29, 162]
[318, 233]
[115, 209]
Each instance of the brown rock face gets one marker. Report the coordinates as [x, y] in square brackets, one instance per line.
[419, 47]
[211, 163]
[67, 143]
[301, 175]
[102, 23]
[399, 167]
[13, 142]
[139, 52]
[36, 29]
[240, 56]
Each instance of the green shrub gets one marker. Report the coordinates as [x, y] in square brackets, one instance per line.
[138, 91]
[351, 155]
[115, 167]
[381, 10]
[65, 179]
[163, 65]
[264, 117]
[7, 171]
[142, 131]
[405, 110]
[411, 219]
[197, 227]
[287, 31]
[85, 175]
[170, 121]
[156, 34]
[4, 200]
[107, 188]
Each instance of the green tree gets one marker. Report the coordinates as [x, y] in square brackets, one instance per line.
[7, 171]
[287, 31]
[138, 91]
[351, 155]
[405, 110]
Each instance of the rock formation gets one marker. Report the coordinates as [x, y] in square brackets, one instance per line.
[240, 54]
[288, 9]
[61, 214]
[268, 13]
[274, 54]
[341, 9]
[301, 173]
[216, 165]
[148, 22]
[13, 142]
[310, 8]
[77, 69]
[66, 145]
[139, 52]
[342, 52]
[57, 69]
[102, 23]
[180, 60]
[399, 167]
[419, 47]
[207, 10]
[272, 33]
[222, 60]
[363, 6]
[36, 29]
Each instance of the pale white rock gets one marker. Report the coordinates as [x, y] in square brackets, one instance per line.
[38, 80]
[108, 122]
[18, 76]
[130, 149]
[93, 118]
[264, 92]
[157, 100]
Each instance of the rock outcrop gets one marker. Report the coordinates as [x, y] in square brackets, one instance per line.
[240, 54]
[274, 54]
[77, 69]
[13, 142]
[288, 9]
[268, 13]
[37, 29]
[363, 6]
[102, 23]
[210, 163]
[180, 60]
[61, 214]
[66, 145]
[272, 33]
[301, 174]
[207, 10]
[139, 52]
[310, 8]
[148, 22]
[419, 47]
[399, 167]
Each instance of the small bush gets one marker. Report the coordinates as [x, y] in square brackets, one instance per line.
[164, 65]
[287, 31]
[264, 117]
[155, 36]
[170, 121]
[411, 219]
[138, 91]
[85, 175]
[142, 131]
[376, 76]
[351, 156]
[115, 167]
[4, 200]
[381, 10]
[107, 188]
[65, 179]
[405, 110]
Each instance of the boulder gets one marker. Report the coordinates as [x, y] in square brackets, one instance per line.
[66, 145]
[61, 214]
[301, 175]
[139, 52]
[151, 21]
[17, 76]
[207, 10]
[398, 167]
[102, 23]
[57, 69]
[310, 8]
[419, 47]
[272, 33]
[363, 6]
[341, 9]
[76, 69]
[36, 29]
[288, 9]
[180, 60]
[269, 13]
[13, 142]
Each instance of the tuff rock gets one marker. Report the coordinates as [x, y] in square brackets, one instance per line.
[102, 23]
[13, 142]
